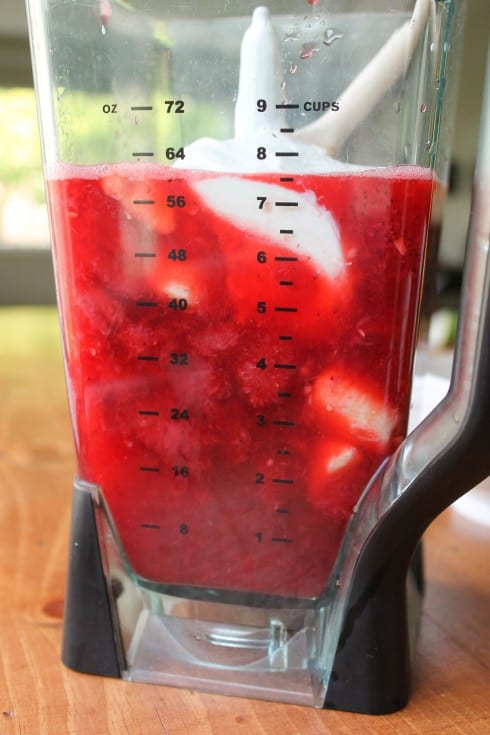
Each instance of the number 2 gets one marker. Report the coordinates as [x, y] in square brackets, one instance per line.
[176, 106]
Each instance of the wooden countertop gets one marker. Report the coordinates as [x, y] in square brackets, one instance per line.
[39, 696]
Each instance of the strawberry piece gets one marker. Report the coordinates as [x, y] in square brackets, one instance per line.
[190, 271]
[141, 199]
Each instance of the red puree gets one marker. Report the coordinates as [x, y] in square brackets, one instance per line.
[229, 397]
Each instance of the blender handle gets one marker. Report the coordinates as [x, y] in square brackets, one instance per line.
[443, 458]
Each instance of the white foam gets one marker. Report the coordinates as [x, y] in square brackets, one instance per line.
[240, 156]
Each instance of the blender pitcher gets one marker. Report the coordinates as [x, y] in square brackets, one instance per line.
[240, 198]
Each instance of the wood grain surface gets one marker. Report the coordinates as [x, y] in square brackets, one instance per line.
[39, 696]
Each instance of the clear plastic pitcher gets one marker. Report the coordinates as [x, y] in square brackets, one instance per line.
[240, 200]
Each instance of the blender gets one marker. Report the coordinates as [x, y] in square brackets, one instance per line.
[240, 198]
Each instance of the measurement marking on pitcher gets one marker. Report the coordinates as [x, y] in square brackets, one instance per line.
[280, 422]
[284, 452]
[286, 232]
[285, 337]
[143, 201]
[142, 154]
[285, 179]
[284, 511]
[147, 303]
[284, 395]
[149, 413]
[282, 540]
[290, 309]
[286, 154]
[145, 255]
[142, 107]
[286, 258]
[149, 469]
[147, 358]
[286, 204]
[153, 526]
[284, 366]
[287, 106]
[287, 130]
[286, 283]
[282, 481]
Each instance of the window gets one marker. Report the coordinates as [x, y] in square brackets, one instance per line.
[26, 275]
[23, 214]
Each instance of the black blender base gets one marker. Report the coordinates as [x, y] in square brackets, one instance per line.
[371, 672]
[89, 644]
[372, 668]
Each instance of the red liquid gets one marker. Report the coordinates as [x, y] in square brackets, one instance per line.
[230, 397]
